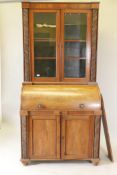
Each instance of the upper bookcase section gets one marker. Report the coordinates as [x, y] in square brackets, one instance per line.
[60, 42]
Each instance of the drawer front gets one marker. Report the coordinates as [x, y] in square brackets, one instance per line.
[57, 104]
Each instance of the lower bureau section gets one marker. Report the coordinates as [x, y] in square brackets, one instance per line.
[57, 135]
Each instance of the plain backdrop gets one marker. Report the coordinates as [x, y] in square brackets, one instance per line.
[12, 59]
[12, 64]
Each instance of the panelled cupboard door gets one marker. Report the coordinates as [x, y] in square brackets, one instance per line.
[77, 136]
[44, 137]
[76, 45]
[45, 44]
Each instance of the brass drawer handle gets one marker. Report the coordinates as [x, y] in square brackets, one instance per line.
[82, 106]
[40, 106]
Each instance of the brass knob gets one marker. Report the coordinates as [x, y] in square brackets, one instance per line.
[39, 105]
[82, 106]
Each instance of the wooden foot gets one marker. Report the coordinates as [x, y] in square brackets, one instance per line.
[95, 161]
[25, 161]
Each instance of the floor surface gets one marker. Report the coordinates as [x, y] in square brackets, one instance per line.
[10, 159]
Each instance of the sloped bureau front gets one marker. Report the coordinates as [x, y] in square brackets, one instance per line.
[60, 97]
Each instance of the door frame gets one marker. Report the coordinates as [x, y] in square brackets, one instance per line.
[88, 46]
[31, 34]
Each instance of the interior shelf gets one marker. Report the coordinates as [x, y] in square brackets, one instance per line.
[74, 40]
[75, 58]
[45, 58]
[45, 39]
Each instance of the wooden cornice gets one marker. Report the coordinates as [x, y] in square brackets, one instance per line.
[60, 5]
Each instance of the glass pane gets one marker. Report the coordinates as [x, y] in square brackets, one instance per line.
[45, 44]
[75, 26]
[45, 25]
[75, 59]
[74, 68]
[45, 68]
[75, 49]
[45, 49]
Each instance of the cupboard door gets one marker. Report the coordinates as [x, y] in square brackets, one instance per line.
[76, 43]
[77, 136]
[44, 137]
[44, 30]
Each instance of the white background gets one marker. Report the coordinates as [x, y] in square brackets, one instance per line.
[12, 77]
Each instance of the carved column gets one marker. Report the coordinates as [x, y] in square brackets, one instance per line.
[27, 73]
[24, 135]
[94, 45]
[97, 136]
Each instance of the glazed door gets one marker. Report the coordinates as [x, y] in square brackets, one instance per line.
[60, 44]
[77, 136]
[45, 31]
[44, 137]
[76, 45]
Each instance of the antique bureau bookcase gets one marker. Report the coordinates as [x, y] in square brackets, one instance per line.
[60, 101]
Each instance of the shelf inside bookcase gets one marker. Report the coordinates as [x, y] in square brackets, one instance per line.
[73, 40]
[45, 58]
[45, 39]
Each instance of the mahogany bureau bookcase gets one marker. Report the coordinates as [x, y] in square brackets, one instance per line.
[60, 102]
